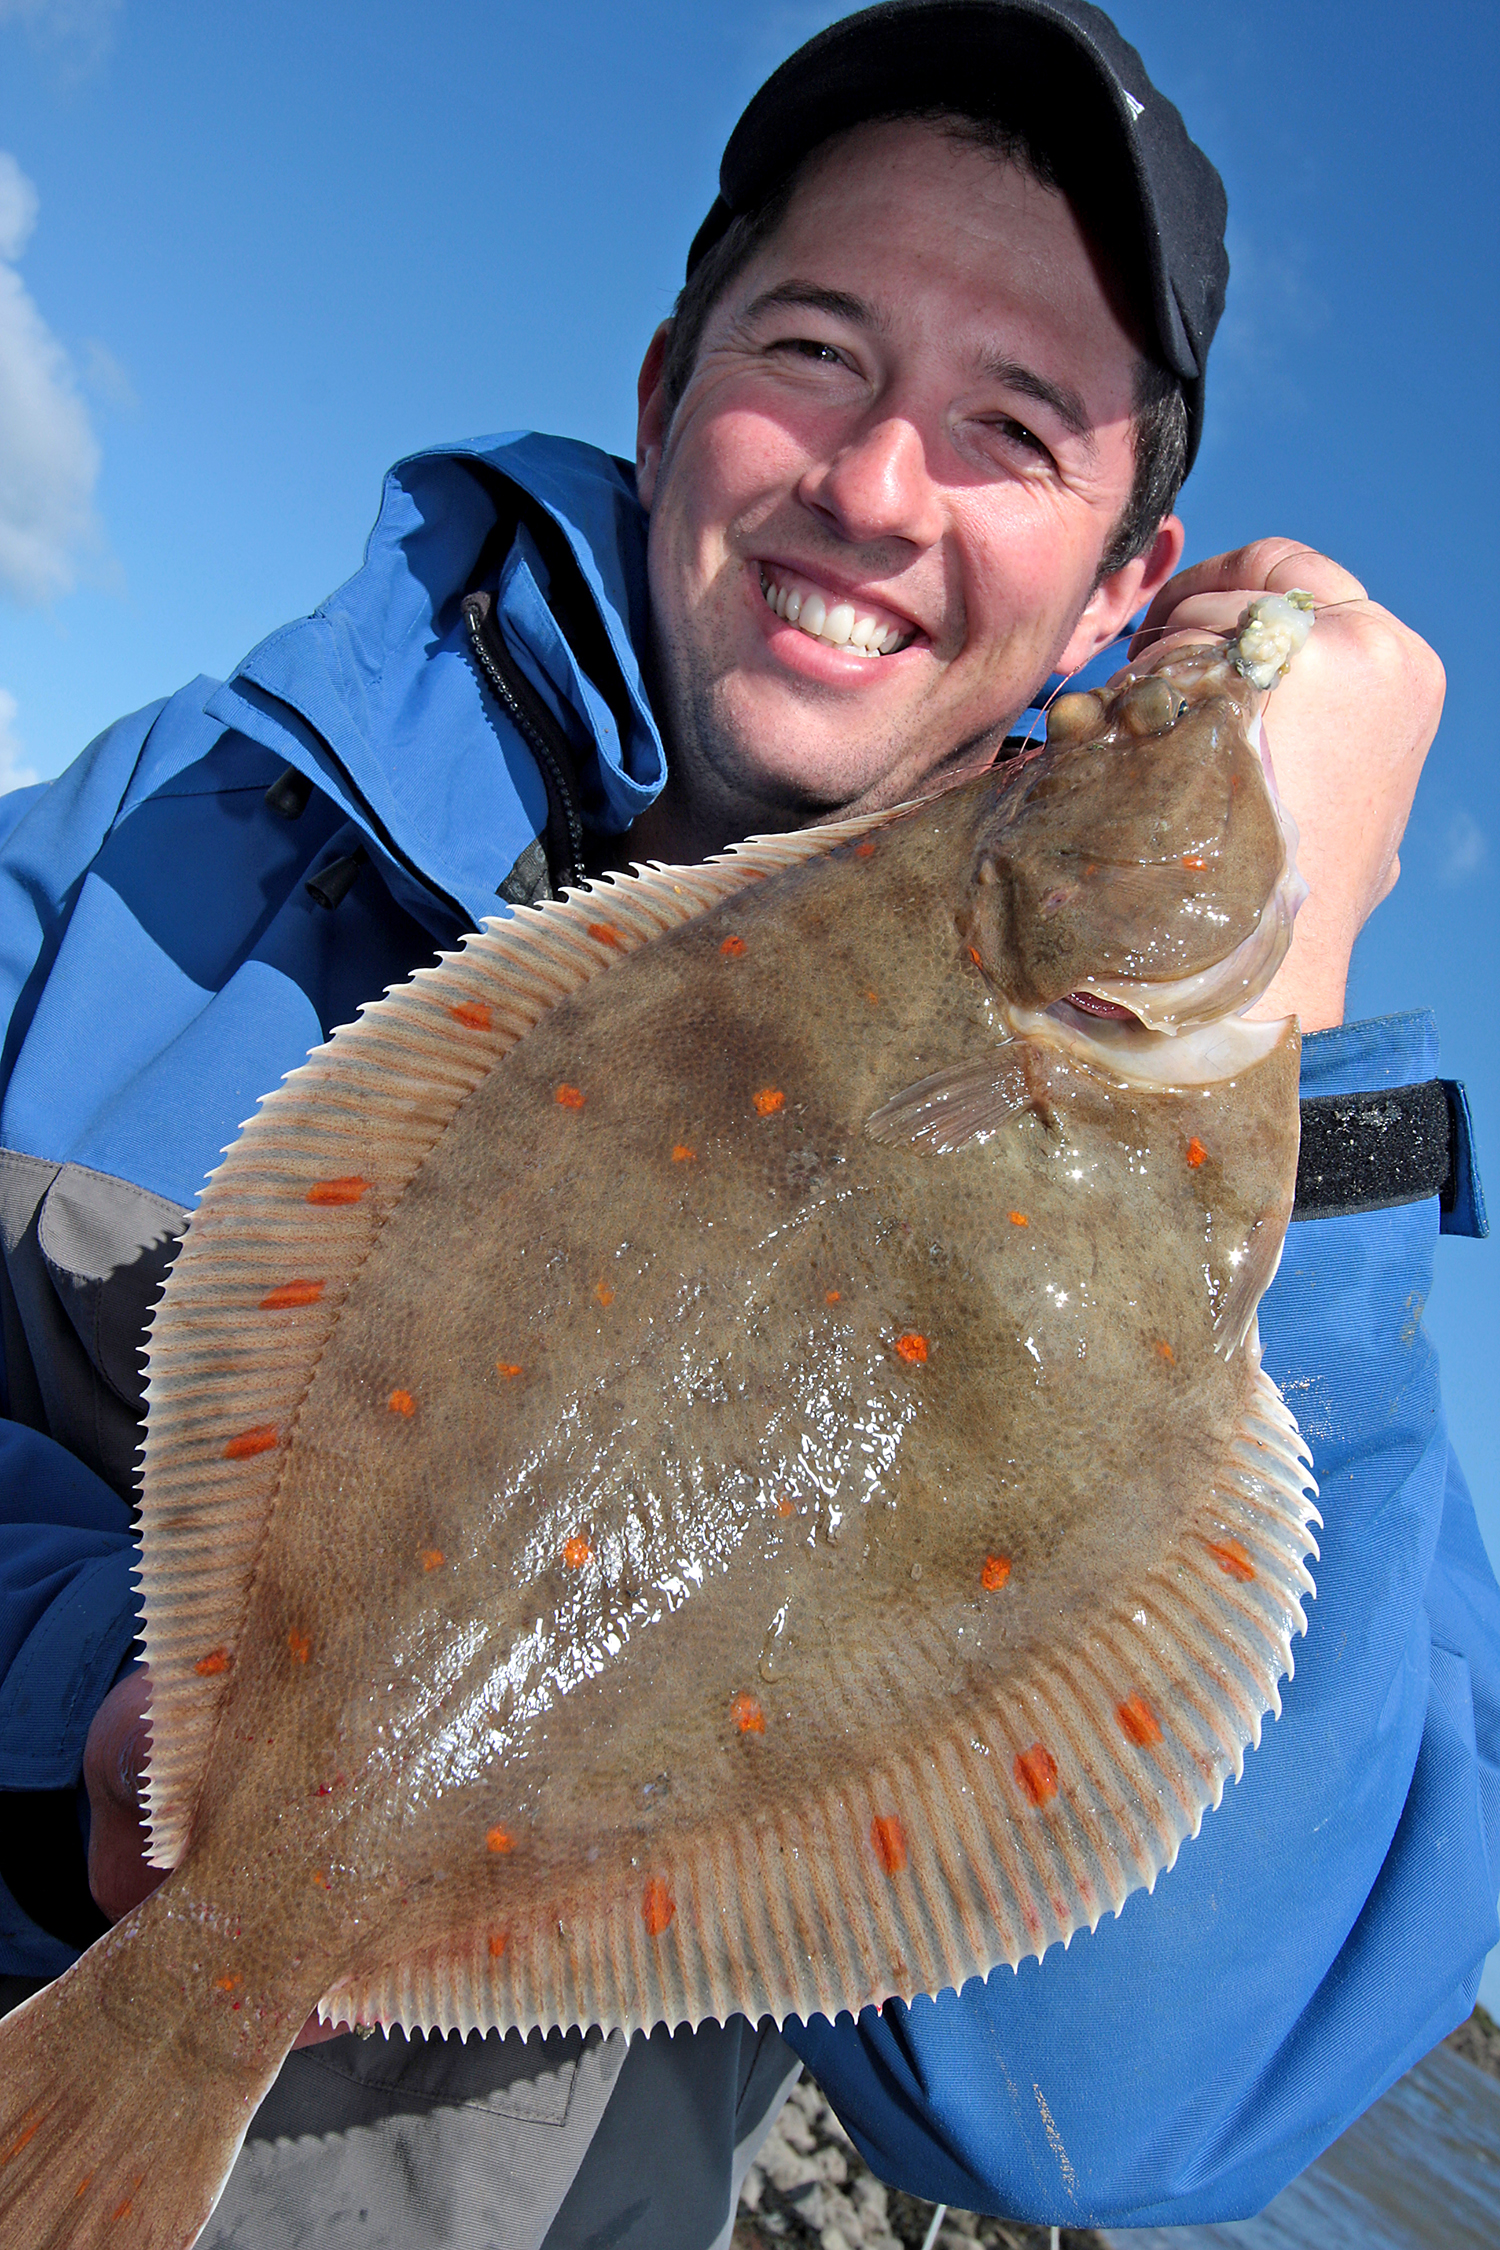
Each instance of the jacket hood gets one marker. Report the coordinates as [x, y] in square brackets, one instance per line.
[374, 695]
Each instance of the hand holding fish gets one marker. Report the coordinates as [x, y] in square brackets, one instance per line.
[1353, 723]
[114, 1772]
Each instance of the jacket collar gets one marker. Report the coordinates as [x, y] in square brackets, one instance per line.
[374, 696]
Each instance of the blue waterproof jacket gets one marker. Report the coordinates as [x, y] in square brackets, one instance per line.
[163, 963]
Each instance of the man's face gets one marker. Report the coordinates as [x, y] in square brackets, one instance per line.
[911, 414]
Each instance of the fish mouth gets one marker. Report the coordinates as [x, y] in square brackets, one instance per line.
[857, 625]
[1092, 1004]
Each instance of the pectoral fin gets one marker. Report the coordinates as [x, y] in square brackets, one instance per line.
[965, 1103]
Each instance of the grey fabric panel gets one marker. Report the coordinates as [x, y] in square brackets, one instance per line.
[420, 2144]
[755, 2134]
[661, 2173]
[85, 1256]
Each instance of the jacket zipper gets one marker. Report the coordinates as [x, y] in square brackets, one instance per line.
[517, 700]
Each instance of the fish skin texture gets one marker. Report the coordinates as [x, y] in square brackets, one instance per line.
[708, 1557]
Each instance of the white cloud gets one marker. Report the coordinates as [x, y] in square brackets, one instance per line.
[14, 772]
[18, 207]
[1465, 847]
[80, 31]
[49, 457]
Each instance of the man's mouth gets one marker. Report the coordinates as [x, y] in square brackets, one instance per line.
[841, 624]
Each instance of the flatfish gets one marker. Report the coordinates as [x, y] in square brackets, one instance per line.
[710, 1452]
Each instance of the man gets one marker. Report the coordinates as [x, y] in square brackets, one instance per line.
[908, 448]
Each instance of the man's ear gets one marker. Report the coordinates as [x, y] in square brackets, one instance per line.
[651, 416]
[1117, 598]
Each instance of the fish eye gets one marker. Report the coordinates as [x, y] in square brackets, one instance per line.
[1149, 706]
[1073, 718]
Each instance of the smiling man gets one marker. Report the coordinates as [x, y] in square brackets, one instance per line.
[882, 497]
[908, 447]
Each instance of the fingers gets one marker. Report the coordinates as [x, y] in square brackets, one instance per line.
[1211, 594]
[114, 1767]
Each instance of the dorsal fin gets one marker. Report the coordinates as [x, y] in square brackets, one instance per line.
[285, 1224]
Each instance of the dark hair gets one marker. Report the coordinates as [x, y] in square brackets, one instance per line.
[1159, 418]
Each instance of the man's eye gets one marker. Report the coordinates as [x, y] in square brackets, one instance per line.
[808, 347]
[1018, 434]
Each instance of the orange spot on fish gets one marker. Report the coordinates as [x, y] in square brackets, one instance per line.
[576, 1551]
[974, 957]
[499, 1840]
[401, 1402]
[832, 1296]
[864, 850]
[602, 934]
[1196, 1152]
[657, 1906]
[123, 2212]
[88, 2178]
[1036, 1771]
[1165, 1351]
[472, 1014]
[1019, 1219]
[785, 1508]
[293, 1293]
[320, 1880]
[888, 1842]
[769, 1100]
[432, 1558]
[300, 1645]
[27, 2133]
[349, 1189]
[228, 1984]
[1192, 860]
[209, 1667]
[508, 1368]
[733, 947]
[913, 1349]
[1138, 1721]
[682, 1154]
[569, 1097]
[995, 1573]
[873, 998]
[604, 1293]
[747, 1715]
[250, 1442]
[1231, 1558]
[498, 1942]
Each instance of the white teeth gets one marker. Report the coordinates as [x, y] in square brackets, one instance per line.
[840, 626]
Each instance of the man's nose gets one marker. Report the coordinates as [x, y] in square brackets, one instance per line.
[877, 486]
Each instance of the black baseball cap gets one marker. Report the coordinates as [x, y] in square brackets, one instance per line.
[1060, 72]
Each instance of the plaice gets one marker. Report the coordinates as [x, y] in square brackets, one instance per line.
[710, 1453]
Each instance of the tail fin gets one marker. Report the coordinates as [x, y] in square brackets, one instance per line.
[109, 2135]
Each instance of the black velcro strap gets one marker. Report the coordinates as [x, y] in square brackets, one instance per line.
[1368, 1152]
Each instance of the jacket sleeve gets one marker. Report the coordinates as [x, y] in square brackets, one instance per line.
[67, 1623]
[1185, 2060]
[67, 1609]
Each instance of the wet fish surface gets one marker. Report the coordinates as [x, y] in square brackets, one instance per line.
[710, 1453]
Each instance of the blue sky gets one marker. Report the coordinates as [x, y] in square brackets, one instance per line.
[249, 257]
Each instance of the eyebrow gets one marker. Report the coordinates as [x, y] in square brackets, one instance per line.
[806, 296]
[1063, 400]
